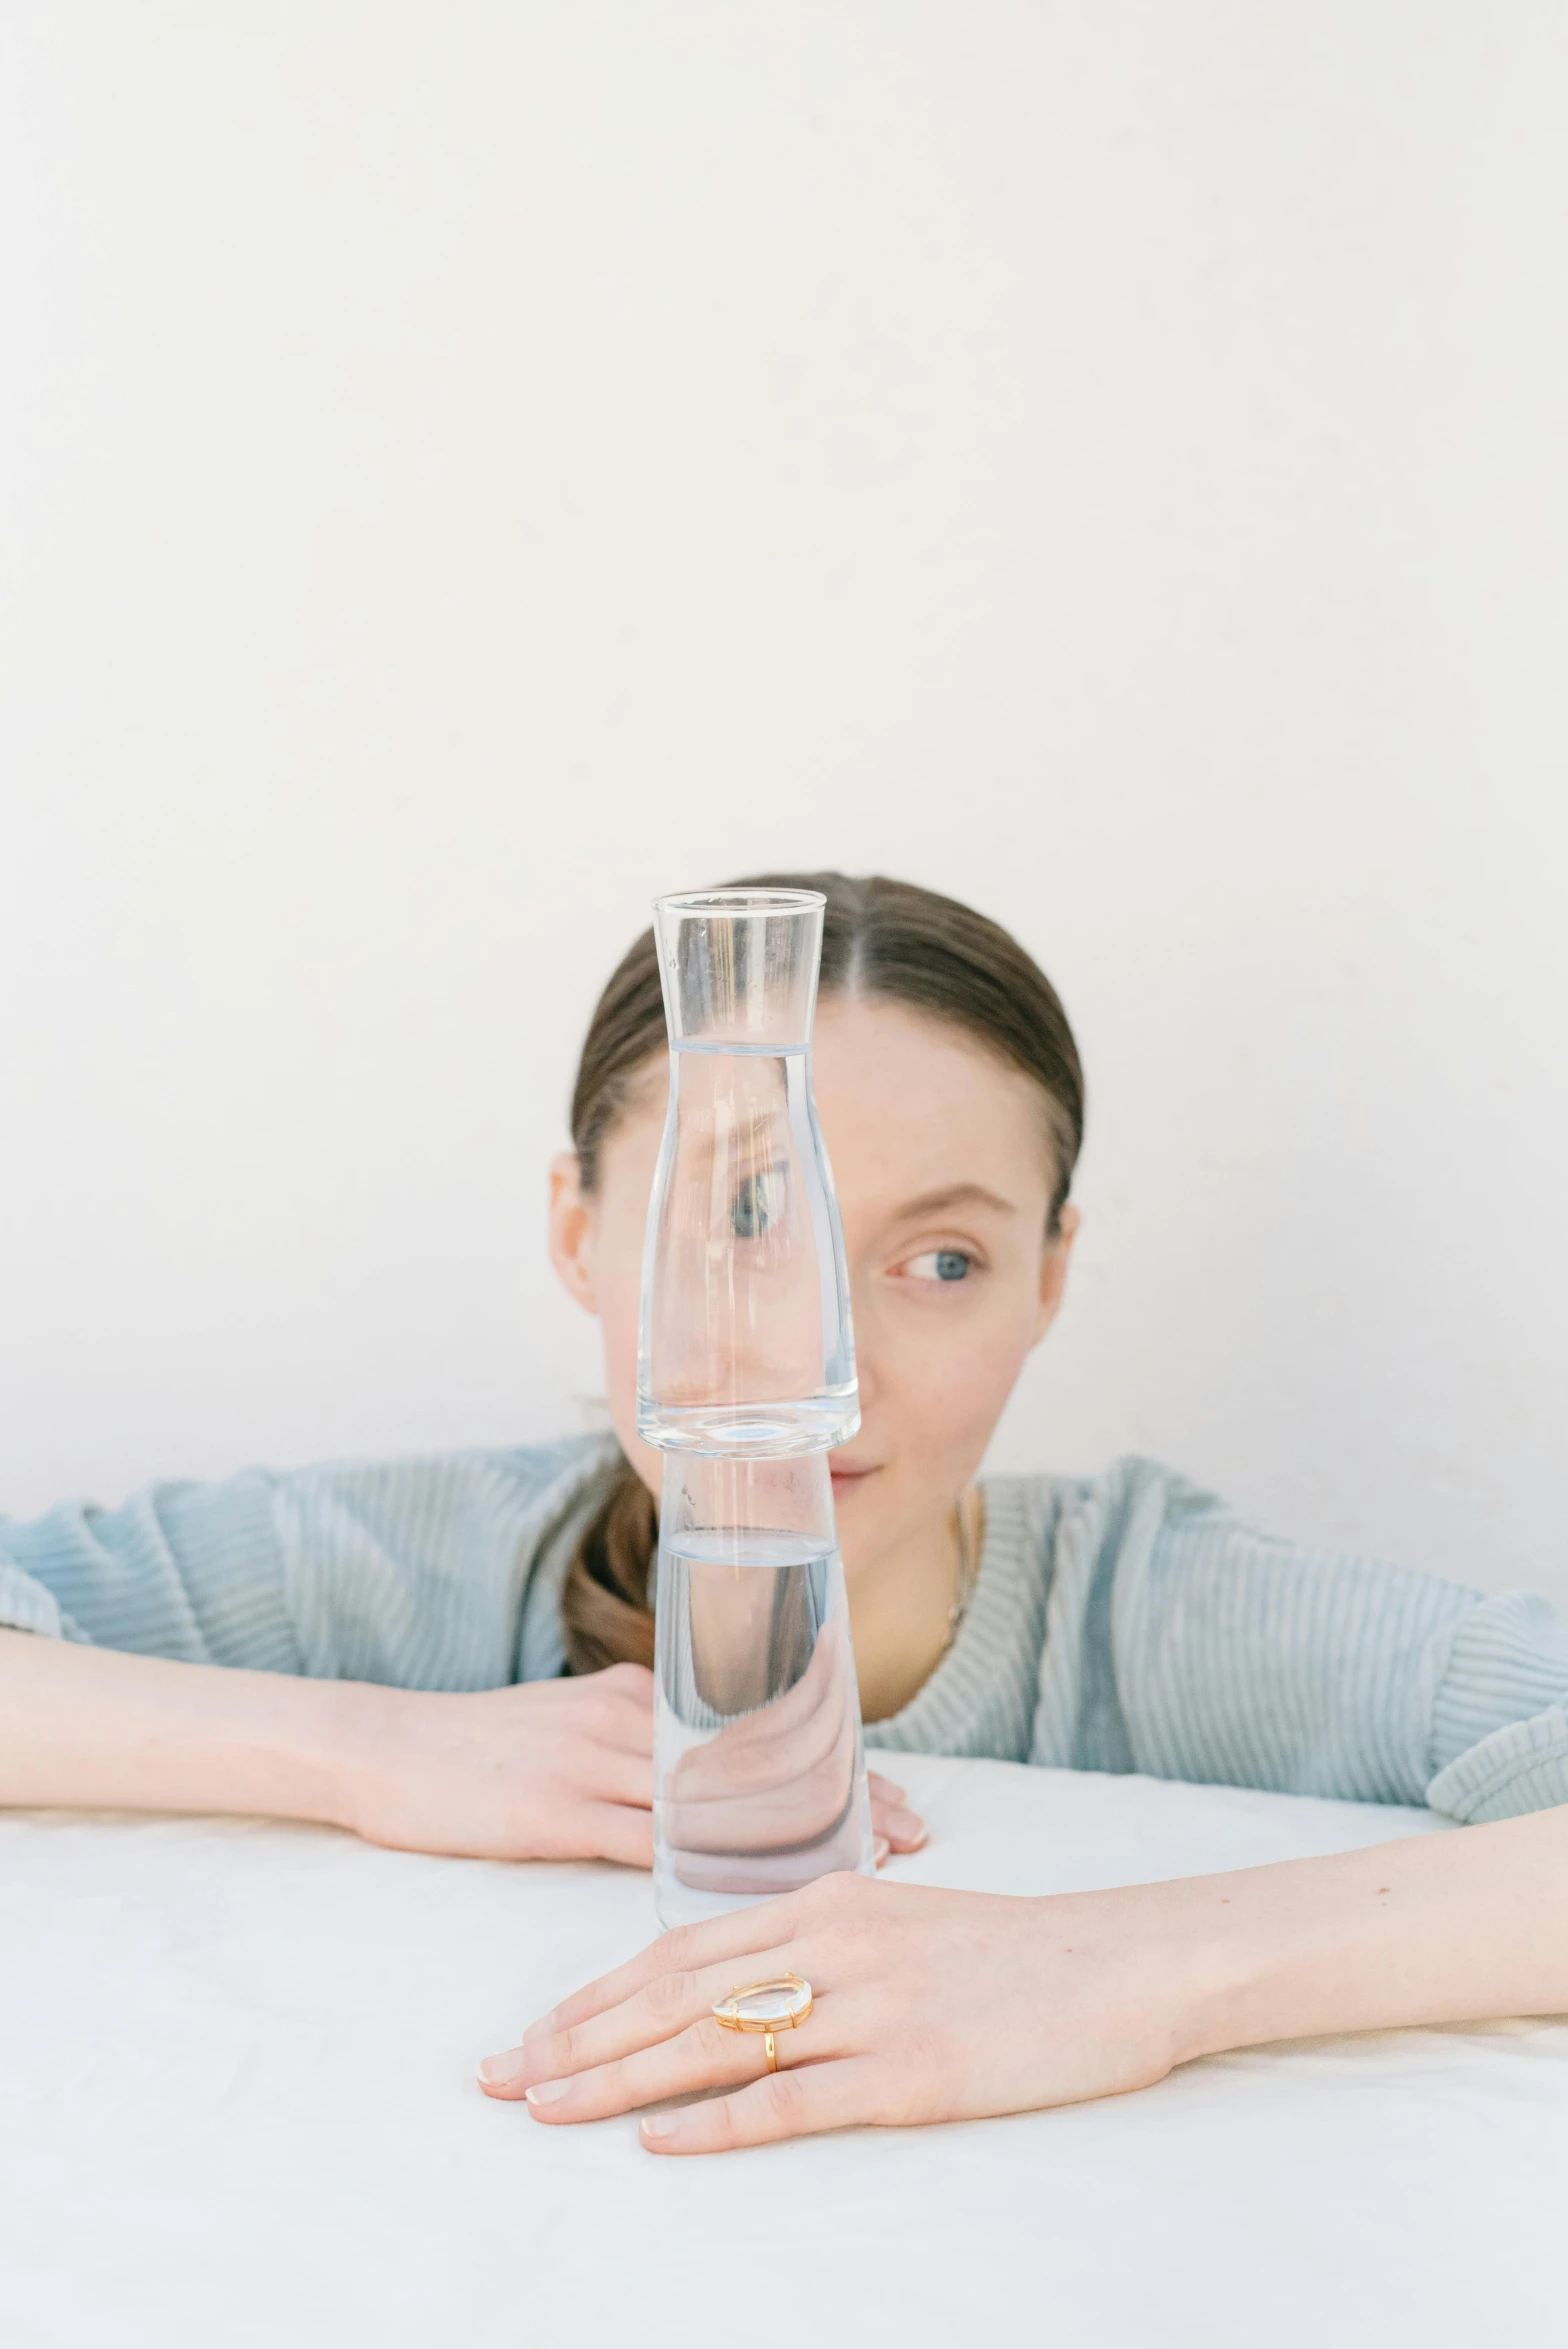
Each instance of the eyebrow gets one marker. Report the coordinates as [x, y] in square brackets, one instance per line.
[955, 1195]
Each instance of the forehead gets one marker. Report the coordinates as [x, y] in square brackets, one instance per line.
[909, 1103]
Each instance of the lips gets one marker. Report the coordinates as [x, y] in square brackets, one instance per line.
[848, 1473]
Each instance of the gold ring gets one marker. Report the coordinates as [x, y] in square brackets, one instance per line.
[780, 2005]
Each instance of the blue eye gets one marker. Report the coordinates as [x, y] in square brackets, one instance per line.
[756, 1204]
[942, 1264]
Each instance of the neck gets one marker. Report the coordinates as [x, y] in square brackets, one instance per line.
[901, 1614]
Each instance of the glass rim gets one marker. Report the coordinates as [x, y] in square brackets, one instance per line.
[740, 901]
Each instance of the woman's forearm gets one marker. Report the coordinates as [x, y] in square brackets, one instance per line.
[1439, 1928]
[558, 1769]
[90, 1727]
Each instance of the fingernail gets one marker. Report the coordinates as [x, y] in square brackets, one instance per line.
[548, 2091]
[503, 2071]
[880, 1847]
[661, 2124]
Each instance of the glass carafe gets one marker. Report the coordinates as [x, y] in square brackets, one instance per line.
[759, 1769]
[745, 1340]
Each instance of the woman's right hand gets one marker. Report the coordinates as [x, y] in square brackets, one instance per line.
[779, 1775]
[550, 1770]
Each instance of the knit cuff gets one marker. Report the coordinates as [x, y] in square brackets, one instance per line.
[1518, 1769]
[25, 1605]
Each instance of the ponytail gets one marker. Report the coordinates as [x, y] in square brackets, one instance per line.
[606, 1602]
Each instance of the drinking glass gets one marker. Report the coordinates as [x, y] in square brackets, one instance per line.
[759, 1766]
[744, 1341]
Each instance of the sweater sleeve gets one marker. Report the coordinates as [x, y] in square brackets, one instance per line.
[1188, 1645]
[190, 1571]
[438, 1572]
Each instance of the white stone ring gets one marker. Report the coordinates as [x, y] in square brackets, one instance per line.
[781, 2005]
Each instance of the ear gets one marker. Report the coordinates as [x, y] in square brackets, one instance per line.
[1054, 1260]
[572, 1231]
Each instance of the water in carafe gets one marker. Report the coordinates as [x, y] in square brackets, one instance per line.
[759, 1769]
[745, 1341]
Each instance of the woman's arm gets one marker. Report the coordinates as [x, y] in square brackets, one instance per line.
[343, 1584]
[948, 2005]
[319, 1592]
[1184, 1644]
[89, 1728]
[557, 1769]
[1439, 1929]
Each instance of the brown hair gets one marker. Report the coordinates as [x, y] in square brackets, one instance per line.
[880, 938]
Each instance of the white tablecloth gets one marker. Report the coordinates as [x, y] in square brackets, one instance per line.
[238, 2108]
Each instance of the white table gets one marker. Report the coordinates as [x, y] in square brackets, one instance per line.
[238, 2108]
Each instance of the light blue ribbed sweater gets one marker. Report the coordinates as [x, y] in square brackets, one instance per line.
[1119, 1622]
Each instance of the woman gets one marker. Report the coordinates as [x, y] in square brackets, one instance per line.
[375, 1621]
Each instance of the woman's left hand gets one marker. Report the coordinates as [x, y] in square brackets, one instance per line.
[929, 2006]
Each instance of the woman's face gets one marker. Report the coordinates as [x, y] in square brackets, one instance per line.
[943, 1173]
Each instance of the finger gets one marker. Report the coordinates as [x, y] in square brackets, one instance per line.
[883, 1789]
[605, 1773]
[630, 1685]
[796, 1808]
[581, 1829]
[618, 1831]
[904, 1829]
[618, 1717]
[781, 2104]
[704, 2056]
[759, 1749]
[636, 1680]
[625, 1730]
[789, 1738]
[743, 1931]
[818, 1690]
[663, 2009]
[696, 2059]
[880, 1849]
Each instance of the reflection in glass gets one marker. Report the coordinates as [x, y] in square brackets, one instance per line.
[745, 1341]
[759, 1770]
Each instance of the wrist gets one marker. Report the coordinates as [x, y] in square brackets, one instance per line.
[283, 1747]
[1223, 1975]
[359, 1740]
[1294, 1950]
[1167, 1980]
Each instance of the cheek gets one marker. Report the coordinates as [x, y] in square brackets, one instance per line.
[626, 1181]
[949, 1376]
[974, 1378]
[618, 1290]
[618, 1320]
[618, 1286]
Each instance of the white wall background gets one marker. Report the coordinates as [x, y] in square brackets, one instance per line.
[468, 467]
